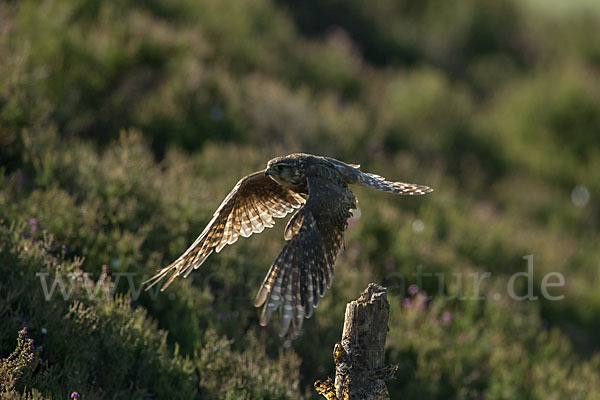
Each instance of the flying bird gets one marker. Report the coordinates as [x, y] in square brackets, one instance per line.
[316, 189]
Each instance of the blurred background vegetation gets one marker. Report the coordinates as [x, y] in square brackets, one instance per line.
[123, 124]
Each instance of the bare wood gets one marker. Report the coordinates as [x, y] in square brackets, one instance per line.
[359, 357]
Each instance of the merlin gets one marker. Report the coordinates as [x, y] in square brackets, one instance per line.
[316, 188]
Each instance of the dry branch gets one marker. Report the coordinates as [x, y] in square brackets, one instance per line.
[360, 372]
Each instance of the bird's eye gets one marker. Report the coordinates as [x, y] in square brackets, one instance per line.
[278, 167]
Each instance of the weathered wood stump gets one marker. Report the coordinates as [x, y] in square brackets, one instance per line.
[360, 372]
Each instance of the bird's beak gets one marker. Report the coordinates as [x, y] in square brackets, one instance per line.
[268, 172]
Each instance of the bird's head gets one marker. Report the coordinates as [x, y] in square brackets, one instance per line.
[284, 170]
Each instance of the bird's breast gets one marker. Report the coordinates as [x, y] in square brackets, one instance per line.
[298, 185]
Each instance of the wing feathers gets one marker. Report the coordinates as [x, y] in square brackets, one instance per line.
[249, 208]
[303, 270]
[246, 227]
[380, 183]
[294, 225]
[265, 216]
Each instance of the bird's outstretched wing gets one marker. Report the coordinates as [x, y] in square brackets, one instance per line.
[380, 183]
[303, 270]
[353, 174]
[248, 208]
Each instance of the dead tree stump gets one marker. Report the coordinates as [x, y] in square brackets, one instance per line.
[360, 372]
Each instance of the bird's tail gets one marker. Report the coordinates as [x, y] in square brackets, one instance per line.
[380, 183]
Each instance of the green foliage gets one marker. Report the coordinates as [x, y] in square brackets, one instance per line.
[502, 354]
[19, 362]
[251, 374]
[112, 348]
[124, 124]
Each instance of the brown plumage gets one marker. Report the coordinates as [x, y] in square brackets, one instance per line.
[303, 270]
